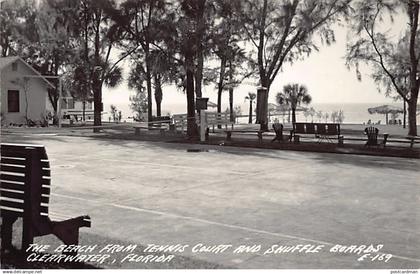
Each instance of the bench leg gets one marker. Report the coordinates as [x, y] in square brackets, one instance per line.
[68, 231]
[260, 137]
[137, 131]
[228, 136]
[207, 134]
[7, 232]
[27, 233]
[340, 140]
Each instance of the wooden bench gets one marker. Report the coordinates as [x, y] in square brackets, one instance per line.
[258, 132]
[137, 129]
[160, 121]
[218, 119]
[180, 121]
[322, 131]
[413, 139]
[25, 192]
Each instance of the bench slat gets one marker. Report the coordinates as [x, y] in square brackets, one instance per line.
[12, 168]
[21, 161]
[13, 211]
[45, 189]
[20, 205]
[13, 160]
[13, 178]
[12, 185]
[20, 196]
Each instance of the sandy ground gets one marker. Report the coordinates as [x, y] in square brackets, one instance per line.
[140, 192]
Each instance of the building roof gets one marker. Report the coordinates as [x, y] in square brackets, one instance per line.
[6, 61]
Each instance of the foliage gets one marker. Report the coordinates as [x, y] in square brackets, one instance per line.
[138, 104]
[251, 97]
[114, 113]
[283, 31]
[395, 61]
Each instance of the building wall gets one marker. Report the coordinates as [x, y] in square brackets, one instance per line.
[36, 95]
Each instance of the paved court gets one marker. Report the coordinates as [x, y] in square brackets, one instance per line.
[150, 192]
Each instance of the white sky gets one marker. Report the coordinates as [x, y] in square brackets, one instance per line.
[324, 73]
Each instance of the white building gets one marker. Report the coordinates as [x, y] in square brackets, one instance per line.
[24, 92]
[24, 95]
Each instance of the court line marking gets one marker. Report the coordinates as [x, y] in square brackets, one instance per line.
[277, 234]
[200, 220]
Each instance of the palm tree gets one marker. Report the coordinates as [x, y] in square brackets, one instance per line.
[251, 97]
[319, 115]
[293, 95]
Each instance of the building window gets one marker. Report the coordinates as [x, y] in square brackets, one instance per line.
[13, 100]
[67, 103]
[14, 66]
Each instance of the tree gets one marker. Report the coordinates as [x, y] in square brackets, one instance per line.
[251, 97]
[142, 22]
[114, 113]
[43, 35]
[293, 95]
[334, 116]
[326, 116]
[226, 37]
[319, 115]
[395, 61]
[139, 101]
[12, 16]
[191, 31]
[100, 33]
[312, 113]
[138, 104]
[283, 31]
[340, 118]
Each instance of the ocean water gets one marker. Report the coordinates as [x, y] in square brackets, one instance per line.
[354, 113]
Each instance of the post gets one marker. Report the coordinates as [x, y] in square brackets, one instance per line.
[201, 105]
[203, 125]
[60, 95]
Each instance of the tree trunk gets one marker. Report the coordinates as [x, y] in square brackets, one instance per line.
[192, 130]
[232, 118]
[199, 73]
[250, 112]
[412, 111]
[158, 94]
[231, 113]
[149, 90]
[405, 114]
[97, 106]
[84, 110]
[220, 86]
[97, 84]
[293, 115]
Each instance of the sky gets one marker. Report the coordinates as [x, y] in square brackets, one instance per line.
[324, 73]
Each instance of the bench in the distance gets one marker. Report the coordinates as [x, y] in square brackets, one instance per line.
[25, 178]
[322, 131]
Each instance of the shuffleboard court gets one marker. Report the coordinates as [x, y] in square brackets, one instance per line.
[160, 193]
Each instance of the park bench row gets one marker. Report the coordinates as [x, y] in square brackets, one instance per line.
[323, 131]
[178, 122]
[25, 186]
